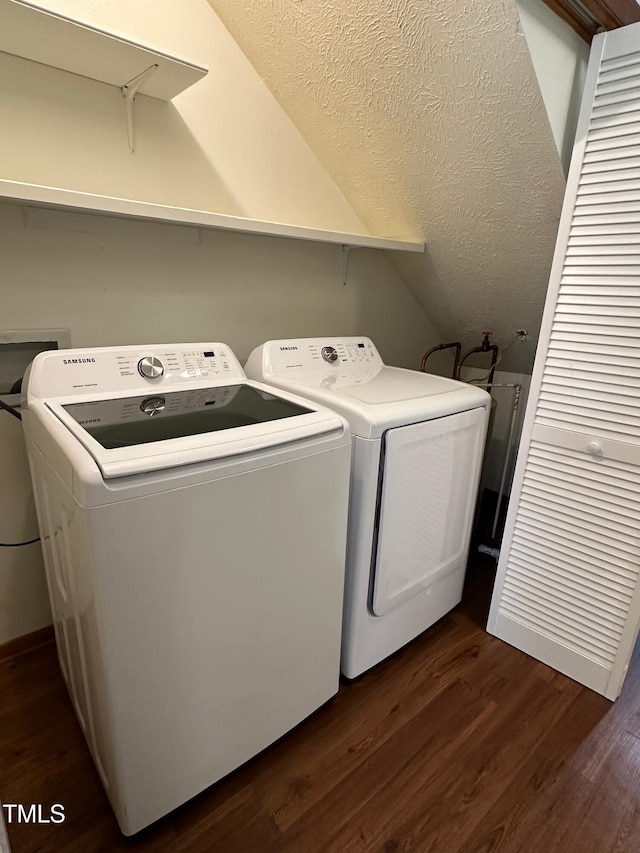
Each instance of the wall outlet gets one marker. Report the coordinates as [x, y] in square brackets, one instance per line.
[18, 349]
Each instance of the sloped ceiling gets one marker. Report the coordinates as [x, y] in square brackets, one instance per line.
[429, 118]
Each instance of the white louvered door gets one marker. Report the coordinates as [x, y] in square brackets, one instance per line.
[567, 590]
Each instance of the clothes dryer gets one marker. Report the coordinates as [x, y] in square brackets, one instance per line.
[193, 527]
[417, 448]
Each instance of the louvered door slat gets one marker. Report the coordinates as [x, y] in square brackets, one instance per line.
[607, 309]
[617, 66]
[602, 151]
[567, 586]
[530, 536]
[605, 350]
[606, 238]
[575, 621]
[613, 334]
[575, 605]
[609, 514]
[547, 510]
[581, 365]
[629, 79]
[593, 561]
[618, 69]
[613, 105]
[605, 229]
[623, 409]
[607, 219]
[574, 491]
[608, 186]
[588, 381]
[625, 171]
[614, 147]
[601, 166]
[556, 573]
[590, 206]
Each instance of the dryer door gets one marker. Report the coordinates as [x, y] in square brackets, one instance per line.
[427, 500]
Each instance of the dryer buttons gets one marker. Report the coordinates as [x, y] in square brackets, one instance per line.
[329, 354]
[150, 367]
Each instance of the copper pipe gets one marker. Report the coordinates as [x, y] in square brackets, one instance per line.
[429, 352]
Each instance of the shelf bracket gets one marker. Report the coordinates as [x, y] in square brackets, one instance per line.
[129, 91]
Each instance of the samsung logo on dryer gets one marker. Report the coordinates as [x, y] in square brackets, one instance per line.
[78, 361]
[282, 349]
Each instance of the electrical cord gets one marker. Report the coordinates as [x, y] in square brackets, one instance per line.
[16, 414]
[10, 409]
[517, 336]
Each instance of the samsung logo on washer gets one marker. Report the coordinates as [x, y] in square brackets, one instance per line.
[282, 349]
[78, 361]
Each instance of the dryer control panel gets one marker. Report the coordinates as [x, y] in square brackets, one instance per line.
[111, 370]
[330, 355]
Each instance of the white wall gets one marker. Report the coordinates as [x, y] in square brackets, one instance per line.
[24, 603]
[560, 60]
[113, 281]
[223, 145]
[427, 114]
[500, 425]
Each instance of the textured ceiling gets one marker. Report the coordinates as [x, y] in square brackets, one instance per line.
[429, 118]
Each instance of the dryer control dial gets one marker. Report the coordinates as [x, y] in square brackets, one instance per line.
[329, 354]
[150, 367]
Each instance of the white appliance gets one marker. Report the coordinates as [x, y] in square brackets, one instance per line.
[194, 531]
[418, 442]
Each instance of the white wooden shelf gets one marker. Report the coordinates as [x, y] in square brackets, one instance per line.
[35, 33]
[89, 203]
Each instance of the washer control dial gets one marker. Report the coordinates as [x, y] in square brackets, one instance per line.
[152, 405]
[329, 354]
[150, 367]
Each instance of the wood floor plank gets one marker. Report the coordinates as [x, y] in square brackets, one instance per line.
[440, 800]
[384, 781]
[546, 767]
[26, 643]
[359, 725]
[588, 816]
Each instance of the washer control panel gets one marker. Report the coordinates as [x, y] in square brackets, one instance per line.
[122, 369]
[192, 363]
[282, 358]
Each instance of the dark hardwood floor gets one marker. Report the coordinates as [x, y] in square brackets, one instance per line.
[457, 744]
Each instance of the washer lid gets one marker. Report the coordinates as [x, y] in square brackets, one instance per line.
[134, 434]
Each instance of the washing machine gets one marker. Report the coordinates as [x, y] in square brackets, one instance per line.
[193, 526]
[417, 447]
